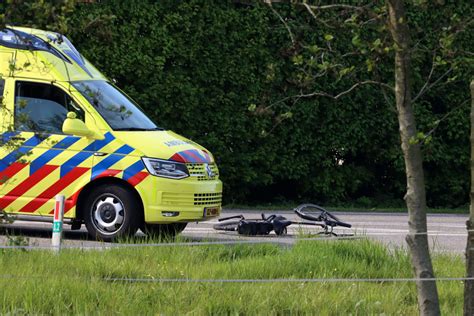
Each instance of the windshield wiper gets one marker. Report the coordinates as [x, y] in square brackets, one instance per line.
[138, 129]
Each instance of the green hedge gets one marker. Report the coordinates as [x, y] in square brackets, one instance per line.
[214, 71]
[197, 67]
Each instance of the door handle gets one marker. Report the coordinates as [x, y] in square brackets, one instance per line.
[18, 138]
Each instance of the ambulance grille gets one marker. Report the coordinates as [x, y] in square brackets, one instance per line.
[198, 171]
[191, 199]
[208, 198]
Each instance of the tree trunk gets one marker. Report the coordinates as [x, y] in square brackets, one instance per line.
[469, 285]
[415, 197]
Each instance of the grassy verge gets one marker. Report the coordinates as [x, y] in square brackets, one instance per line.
[290, 207]
[38, 282]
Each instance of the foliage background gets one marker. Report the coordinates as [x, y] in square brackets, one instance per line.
[216, 71]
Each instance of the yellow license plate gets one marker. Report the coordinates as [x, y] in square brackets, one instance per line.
[211, 211]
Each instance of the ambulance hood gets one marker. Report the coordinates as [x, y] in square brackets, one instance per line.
[165, 145]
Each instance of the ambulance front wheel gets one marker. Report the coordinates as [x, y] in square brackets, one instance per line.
[110, 213]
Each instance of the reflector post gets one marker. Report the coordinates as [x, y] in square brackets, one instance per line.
[58, 223]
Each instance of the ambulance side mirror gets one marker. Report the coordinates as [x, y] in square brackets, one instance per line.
[74, 126]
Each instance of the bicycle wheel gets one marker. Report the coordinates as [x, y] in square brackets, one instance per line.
[330, 216]
[230, 226]
[281, 231]
[337, 223]
[314, 212]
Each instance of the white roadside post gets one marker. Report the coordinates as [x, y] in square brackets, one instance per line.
[58, 223]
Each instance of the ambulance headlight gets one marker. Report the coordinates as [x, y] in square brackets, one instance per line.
[166, 168]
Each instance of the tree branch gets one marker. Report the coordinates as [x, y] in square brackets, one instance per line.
[433, 65]
[335, 6]
[334, 97]
[384, 93]
[444, 117]
[428, 86]
[341, 94]
[292, 38]
[311, 12]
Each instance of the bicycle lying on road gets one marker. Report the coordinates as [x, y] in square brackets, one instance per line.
[313, 214]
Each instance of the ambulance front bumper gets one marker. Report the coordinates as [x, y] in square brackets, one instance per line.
[183, 201]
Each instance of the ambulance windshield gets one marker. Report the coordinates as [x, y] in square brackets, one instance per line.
[119, 111]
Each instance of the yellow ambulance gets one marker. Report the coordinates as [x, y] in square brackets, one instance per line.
[66, 129]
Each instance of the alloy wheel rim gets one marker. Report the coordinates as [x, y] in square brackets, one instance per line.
[108, 214]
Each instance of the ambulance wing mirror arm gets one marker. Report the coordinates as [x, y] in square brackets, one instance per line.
[74, 126]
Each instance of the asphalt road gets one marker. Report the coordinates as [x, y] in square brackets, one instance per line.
[447, 233]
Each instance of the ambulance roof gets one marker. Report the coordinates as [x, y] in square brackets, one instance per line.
[57, 58]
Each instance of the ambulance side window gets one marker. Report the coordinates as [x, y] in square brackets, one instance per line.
[42, 107]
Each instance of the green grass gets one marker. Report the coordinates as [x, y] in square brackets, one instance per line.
[73, 282]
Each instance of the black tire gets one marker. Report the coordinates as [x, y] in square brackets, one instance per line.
[163, 230]
[227, 226]
[111, 212]
[338, 223]
[281, 231]
[332, 216]
[316, 211]
[248, 228]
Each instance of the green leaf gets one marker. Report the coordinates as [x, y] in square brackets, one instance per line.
[377, 42]
[370, 65]
[324, 66]
[328, 37]
[413, 140]
[345, 71]
[314, 49]
[451, 79]
[356, 41]
[297, 60]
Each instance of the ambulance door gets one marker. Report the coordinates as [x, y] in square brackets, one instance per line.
[45, 161]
